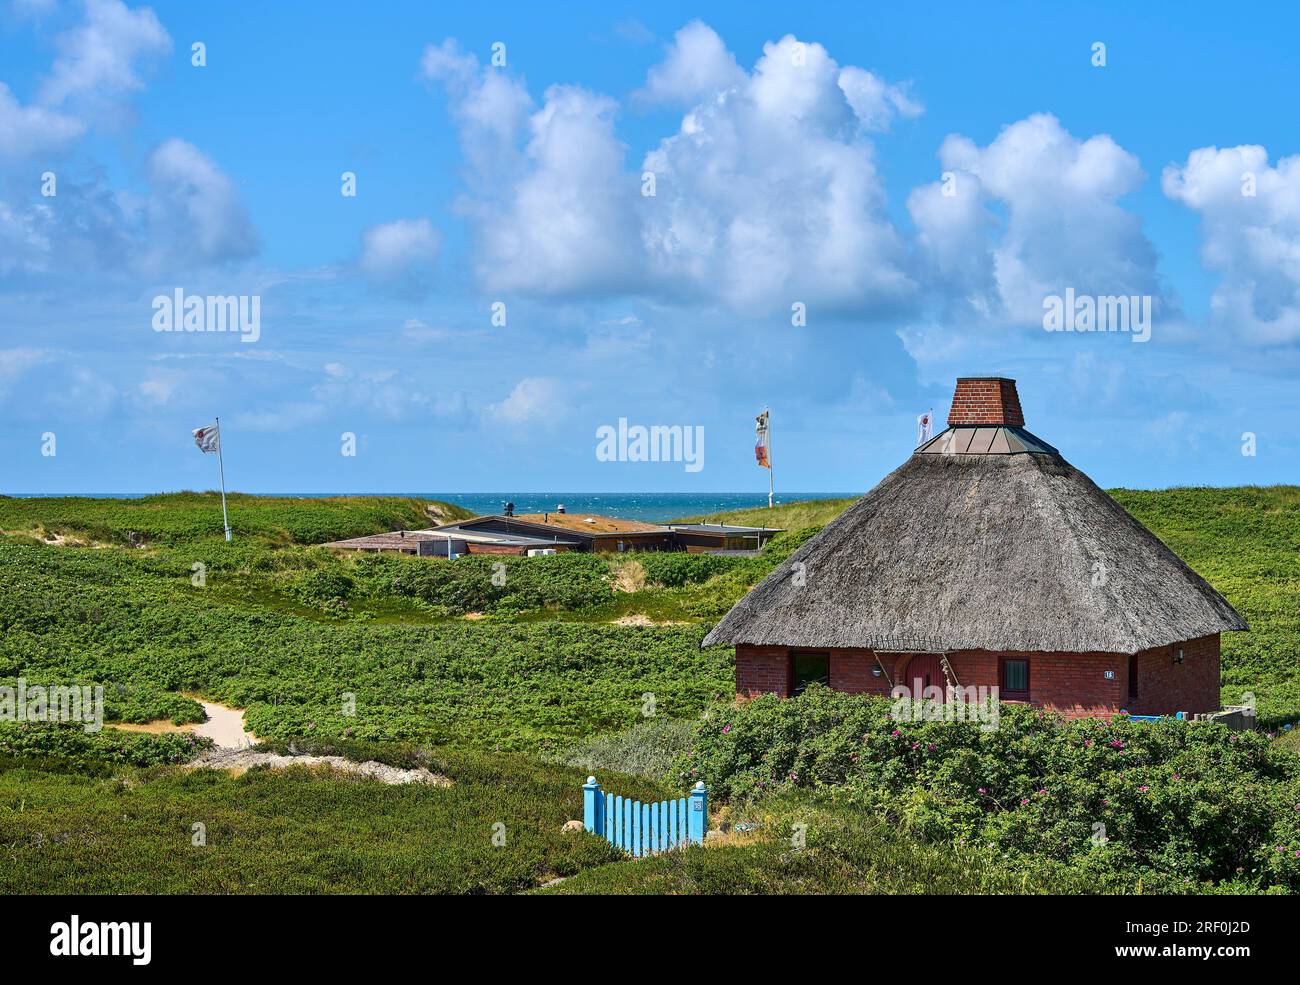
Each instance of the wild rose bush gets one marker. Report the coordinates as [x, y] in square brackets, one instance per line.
[1178, 800]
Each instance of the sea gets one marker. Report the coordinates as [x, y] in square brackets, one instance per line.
[651, 507]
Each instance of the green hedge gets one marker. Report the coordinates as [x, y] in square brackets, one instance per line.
[1178, 800]
[673, 569]
[490, 584]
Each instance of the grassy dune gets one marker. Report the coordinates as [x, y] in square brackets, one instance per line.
[284, 629]
[790, 516]
[186, 517]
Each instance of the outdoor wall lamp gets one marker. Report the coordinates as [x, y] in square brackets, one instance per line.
[1178, 655]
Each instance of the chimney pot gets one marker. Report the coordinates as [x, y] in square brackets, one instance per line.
[985, 400]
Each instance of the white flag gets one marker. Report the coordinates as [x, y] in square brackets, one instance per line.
[208, 439]
[925, 427]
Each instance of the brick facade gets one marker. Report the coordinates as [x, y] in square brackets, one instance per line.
[1074, 684]
[988, 400]
[1165, 686]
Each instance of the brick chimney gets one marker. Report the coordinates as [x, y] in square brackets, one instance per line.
[985, 400]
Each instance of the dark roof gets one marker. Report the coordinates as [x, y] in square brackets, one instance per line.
[722, 528]
[397, 540]
[460, 532]
[982, 551]
[570, 524]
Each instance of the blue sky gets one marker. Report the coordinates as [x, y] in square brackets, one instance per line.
[799, 157]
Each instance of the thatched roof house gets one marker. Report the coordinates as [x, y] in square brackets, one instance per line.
[987, 559]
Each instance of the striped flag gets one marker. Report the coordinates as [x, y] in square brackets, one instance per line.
[208, 439]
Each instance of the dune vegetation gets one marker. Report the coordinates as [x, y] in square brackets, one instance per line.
[516, 677]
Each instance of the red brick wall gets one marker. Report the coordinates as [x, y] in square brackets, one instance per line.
[762, 670]
[1165, 687]
[1074, 684]
[851, 671]
[989, 401]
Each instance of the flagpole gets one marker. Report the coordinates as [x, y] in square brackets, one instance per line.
[221, 465]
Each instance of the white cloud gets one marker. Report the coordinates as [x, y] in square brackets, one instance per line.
[97, 61]
[191, 215]
[1253, 241]
[24, 240]
[490, 108]
[401, 255]
[195, 212]
[534, 398]
[26, 131]
[1063, 225]
[876, 102]
[697, 65]
[161, 385]
[15, 363]
[768, 194]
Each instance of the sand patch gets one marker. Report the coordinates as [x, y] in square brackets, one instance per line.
[225, 726]
[239, 761]
[161, 727]
[641, 619]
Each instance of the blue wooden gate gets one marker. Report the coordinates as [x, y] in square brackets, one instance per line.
[645, 829]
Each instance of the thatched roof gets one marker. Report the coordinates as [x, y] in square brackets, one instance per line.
[1017, 551]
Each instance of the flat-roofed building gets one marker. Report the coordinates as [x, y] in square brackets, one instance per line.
[699, 538]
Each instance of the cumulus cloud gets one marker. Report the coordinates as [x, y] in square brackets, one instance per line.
[400, 255]
[533, 399]
[696, 65]
[195, 212]
[876, 102]
[26, 131]
[191, 215]
[552, 207]
[98, 59]
[1061, 223]
[490, 108]
[768, 193]
[1252, 240]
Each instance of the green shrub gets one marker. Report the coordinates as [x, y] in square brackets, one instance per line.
[1191, 800]
[322, 586]
[71, 742]
[491, 584]
[651, 748]
[674, 569]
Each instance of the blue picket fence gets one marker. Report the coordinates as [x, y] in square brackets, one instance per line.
[645, 829]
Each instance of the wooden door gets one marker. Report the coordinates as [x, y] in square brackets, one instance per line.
[925, 669]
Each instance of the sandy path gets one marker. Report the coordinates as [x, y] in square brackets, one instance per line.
[233, 752]
[225, 727]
